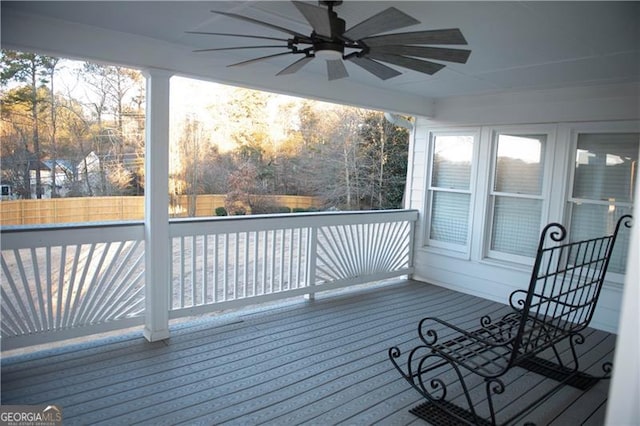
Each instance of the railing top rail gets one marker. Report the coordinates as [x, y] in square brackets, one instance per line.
[27, 236]
[286, 220]
[6, 229]
[276, 216]
[17, 237]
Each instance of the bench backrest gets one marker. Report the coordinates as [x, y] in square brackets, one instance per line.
[565, 284]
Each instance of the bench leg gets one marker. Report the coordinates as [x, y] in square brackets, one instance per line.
[445, 413]
[439, 414]
[559, 372]
[421, 362]
[568, 376]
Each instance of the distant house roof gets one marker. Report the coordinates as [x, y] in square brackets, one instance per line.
[130, 160]
[67, 165]
[20, 160]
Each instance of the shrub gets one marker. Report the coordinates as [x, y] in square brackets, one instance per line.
[305, 210]
[221, 211]
[269, 209]
[281, 209]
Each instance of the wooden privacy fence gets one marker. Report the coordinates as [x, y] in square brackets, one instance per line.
[99, 209]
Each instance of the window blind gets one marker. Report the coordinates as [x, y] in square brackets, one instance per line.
[605, 170]
[452, 157]
[519, 164]
[518, 174]
[450, 217]
[516, 225]
[450, 186]
[592, 221]
[606, 166]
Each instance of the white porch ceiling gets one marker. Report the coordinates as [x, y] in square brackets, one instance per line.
[516, 46]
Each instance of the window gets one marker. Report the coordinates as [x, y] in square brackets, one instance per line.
[604, 175]
[450, 190]
[517, 195]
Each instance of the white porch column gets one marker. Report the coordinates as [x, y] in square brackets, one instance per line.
[156, 206]
[624, 391]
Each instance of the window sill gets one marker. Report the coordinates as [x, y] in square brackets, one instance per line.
[464, 255]
[613, 280]
[506, 264]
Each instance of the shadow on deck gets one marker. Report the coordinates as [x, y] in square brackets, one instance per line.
[319, 362]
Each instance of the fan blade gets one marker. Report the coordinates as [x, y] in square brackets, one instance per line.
[264, 24]
[318, 17]
[387, 20]
[239, 48]
[296, 66]
[336, 69]
[237, 35]
[381, 71]
[438, 53]
[448, 36]
[411, 63]
[250, 61]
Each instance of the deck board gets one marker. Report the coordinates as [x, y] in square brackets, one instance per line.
[319, 362]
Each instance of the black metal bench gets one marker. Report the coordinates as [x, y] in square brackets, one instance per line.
[564, 288]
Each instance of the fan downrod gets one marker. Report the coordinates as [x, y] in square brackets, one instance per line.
[330, 4]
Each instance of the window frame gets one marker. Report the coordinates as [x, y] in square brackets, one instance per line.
[459, 250]
[544, 196]
[569, 201]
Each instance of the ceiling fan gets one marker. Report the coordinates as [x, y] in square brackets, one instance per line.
[363, 44]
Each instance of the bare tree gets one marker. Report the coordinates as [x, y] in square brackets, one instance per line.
[31, 69]
[50, 66]
[241, 184]
[117, 96]
[192, 144]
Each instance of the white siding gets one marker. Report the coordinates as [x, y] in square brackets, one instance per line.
[562, 112]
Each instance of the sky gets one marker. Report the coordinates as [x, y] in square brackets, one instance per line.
[194, 97]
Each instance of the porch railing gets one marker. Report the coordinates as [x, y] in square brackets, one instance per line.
[66, 281]
[246, 259]
[69, 281]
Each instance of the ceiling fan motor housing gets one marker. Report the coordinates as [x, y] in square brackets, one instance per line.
[330, 48]
[338, 26]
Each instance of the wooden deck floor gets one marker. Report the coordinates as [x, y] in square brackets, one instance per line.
[319, 362]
